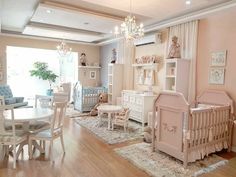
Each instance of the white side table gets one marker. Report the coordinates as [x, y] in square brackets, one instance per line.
[109, 109]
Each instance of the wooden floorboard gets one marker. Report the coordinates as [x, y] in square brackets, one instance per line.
[87, 156]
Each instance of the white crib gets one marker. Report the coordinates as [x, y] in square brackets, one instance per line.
[188, 133]
[85, 98]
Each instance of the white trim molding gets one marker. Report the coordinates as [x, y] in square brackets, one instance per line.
[191, 16]
[182, 19]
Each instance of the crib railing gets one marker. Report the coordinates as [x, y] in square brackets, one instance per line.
[209, 129]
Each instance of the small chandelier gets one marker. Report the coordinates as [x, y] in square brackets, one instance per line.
[129, 29]
[63, 49]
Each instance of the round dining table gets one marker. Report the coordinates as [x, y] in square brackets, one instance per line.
[109, 109]
[22, 115]
[27, 115]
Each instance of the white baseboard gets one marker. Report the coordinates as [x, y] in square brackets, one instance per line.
[234, 148]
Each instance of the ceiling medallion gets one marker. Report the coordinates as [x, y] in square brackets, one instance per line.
[129, 29]
[63, 49]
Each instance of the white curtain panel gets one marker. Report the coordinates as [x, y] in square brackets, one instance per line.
[187, 34]
[126, 54]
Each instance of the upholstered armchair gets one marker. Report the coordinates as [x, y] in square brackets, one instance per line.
[6, 92]
[121, 119]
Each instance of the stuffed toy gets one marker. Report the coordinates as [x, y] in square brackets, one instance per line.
[103, 98]
[147, 133]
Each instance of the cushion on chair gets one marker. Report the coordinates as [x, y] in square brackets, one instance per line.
[34, 127]
[9, 138]
[8, 126]
[19, 99]
[9, 101]
[46, 133]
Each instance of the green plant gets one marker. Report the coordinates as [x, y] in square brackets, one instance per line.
[42, 72]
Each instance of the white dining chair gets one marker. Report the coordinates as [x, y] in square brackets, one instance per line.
[67, 89]
[10, 137]
[60, 97]
[2, 101]
[55, 131]
[43, 101]
[121, 119]
[8, 126]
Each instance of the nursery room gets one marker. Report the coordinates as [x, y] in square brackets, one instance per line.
[117, 88]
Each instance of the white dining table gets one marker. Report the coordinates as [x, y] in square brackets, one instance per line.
[26, 116]
[109, 109]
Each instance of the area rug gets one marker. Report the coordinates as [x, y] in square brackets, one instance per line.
[118, 135]
[72, 113]
[158, 164]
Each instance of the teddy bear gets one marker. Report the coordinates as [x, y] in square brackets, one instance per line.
[103, 98]
[147, 133]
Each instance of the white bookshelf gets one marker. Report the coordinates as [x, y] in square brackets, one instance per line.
[115, 82]
[177, 75]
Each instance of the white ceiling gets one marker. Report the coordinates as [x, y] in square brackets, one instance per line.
[76, 19]
[68, 18]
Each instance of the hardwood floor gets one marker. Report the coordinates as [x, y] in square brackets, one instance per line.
[86, 156]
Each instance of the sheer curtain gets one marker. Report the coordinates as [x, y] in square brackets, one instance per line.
[126, 54]
[187, 38]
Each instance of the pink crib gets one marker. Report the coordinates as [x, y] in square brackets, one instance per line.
[189, 134]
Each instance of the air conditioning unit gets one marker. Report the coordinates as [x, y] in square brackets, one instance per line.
[148, 39]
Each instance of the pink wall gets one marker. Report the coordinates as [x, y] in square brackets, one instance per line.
[217, 32]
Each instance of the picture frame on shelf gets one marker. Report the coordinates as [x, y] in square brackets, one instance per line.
[217, 76]
[92, 75]
[219, 58]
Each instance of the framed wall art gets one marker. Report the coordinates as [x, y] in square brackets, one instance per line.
[218, 58]
[217, 76]
[92, 75]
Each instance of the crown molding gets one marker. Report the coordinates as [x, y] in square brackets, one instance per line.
[191, 16]
[18, 35]
[182, 19]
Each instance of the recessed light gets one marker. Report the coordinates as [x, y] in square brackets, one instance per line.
[49, 11]
[187, 2]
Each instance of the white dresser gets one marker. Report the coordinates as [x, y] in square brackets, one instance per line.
[139, 104]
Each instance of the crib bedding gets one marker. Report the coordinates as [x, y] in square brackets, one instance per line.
[205, 128]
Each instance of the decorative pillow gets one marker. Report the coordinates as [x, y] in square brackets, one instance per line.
[10, 101]
[19, 99]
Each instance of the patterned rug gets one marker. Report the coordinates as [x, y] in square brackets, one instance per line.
[118, 135]
[72, 113]
[158, 164]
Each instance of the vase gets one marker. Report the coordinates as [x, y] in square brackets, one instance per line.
[49, 92]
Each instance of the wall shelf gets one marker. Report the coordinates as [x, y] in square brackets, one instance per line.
[151, 66]
[90, 67]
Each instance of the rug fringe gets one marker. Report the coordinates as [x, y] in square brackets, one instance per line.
[210, 168]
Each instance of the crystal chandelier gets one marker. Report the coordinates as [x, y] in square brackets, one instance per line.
[129, 29]
[63, 49]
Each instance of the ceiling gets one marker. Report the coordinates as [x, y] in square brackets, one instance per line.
[90, 21]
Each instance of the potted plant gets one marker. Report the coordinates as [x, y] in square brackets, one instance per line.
[42, 72]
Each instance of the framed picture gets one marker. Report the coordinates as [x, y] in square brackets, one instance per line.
[92, 75]
[218, 58]
[217, 76]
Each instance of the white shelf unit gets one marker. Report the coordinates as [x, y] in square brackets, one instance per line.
[115, 82]
[177, 75]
